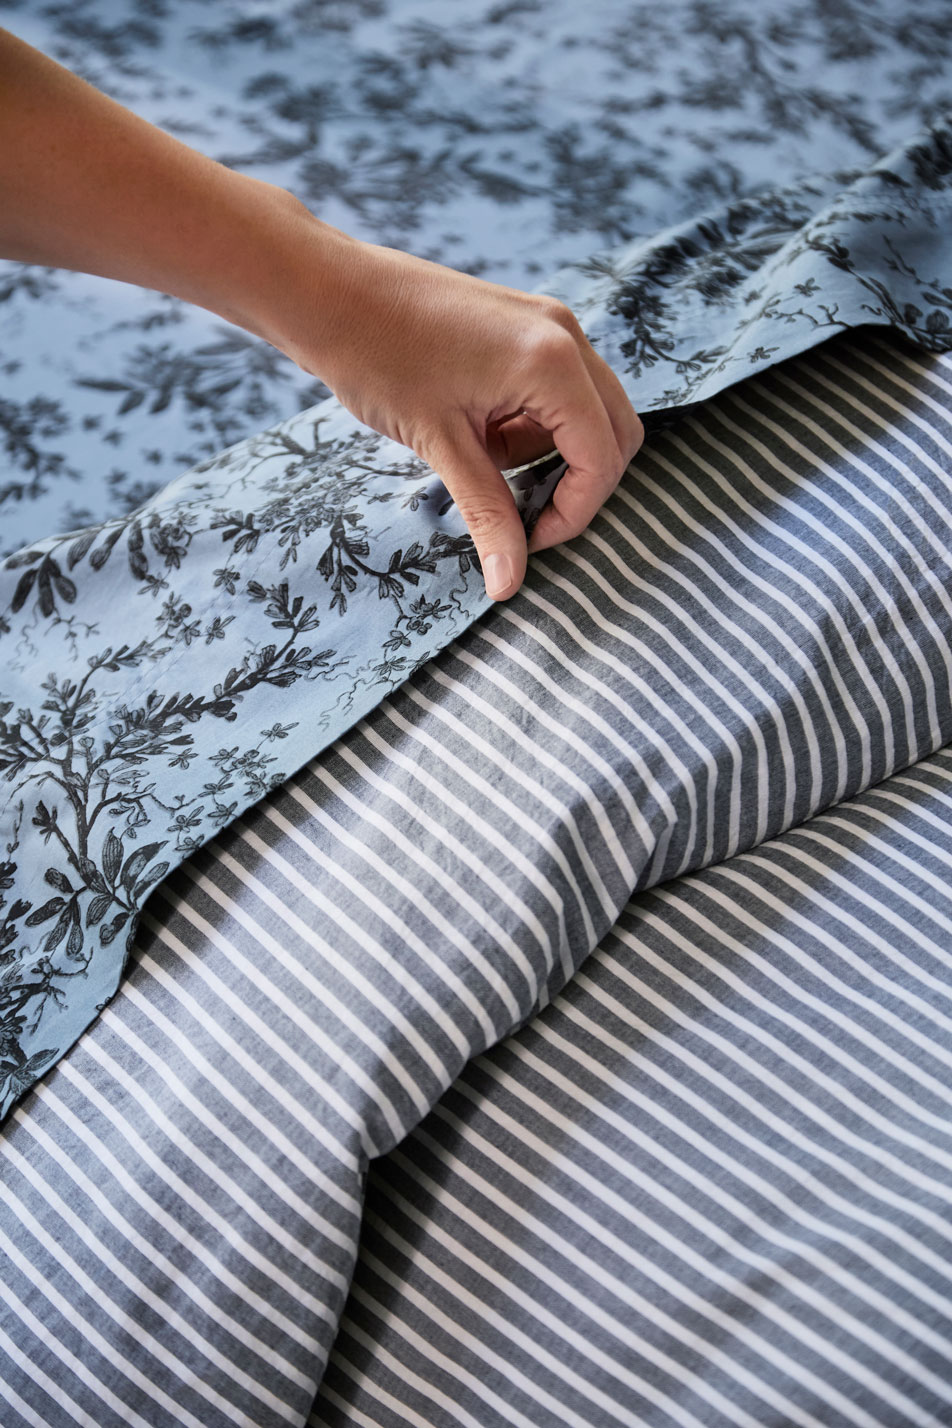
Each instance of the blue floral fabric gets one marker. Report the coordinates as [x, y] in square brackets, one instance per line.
[507, 138]
[164, 669]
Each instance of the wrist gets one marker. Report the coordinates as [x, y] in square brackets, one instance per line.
[289, 272]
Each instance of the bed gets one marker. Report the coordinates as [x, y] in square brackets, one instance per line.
[566, 1040]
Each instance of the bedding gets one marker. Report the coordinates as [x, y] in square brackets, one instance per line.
[710, 1182]
[716, 685]
[278, 591]
[183, 1191]
[508, 138]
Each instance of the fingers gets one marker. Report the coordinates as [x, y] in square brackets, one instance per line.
[581, 408]
[595, 468]
[516, 440]
[626, 423]
[591, 429]
[515, 376]
[486, 505]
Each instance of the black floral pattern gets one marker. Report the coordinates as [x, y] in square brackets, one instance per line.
[508, 138]
[249, 577]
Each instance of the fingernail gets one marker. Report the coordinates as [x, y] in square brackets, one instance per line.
[497, 572]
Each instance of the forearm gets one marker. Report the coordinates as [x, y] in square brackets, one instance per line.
[86, 184]
[470, 374]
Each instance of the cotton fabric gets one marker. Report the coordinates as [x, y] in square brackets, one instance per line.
[184, 1191]
[269, 598]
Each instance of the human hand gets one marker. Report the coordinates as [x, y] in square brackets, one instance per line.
[474, 377]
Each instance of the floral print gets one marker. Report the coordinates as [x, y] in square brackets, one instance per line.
[508, 138]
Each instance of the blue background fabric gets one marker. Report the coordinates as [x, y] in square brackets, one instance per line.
[165, 669]
[508, 138]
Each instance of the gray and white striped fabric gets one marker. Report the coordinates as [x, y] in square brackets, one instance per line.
[756, 627]
[711, 1182]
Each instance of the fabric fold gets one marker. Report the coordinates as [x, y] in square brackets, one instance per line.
[164, 671]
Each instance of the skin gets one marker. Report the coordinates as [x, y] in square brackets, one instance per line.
[474, 376]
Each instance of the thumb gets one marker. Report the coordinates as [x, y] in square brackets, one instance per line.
[486, 505]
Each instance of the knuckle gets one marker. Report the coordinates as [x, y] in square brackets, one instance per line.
[558, 312]
[553, 344]
[481, 518]
[616, 463]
